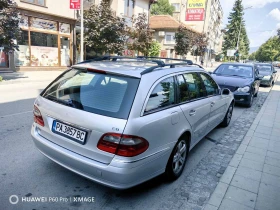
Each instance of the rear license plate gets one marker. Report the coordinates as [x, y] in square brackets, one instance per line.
[70, 132]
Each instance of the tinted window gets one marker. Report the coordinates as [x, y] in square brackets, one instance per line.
[163, 95]
[265, 68]
[103, 94]
[183, 89]
[235, 70]
[194, 87]
[210, 85]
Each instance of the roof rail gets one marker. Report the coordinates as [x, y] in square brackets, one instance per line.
[157, 60]
[171, 65]
[189, 62]
[115, 58]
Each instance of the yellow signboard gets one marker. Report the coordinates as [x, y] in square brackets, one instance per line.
[193, 4]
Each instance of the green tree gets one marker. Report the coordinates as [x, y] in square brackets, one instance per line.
[201, 42]
[9, 25]
[252, 57]
[235, 21]
[154, 48]
[184, 39]
[106, 33]
[269, 51]
[162, 7]
[141, 34]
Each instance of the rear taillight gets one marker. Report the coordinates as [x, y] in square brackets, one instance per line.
[37, 116]
[122, 145]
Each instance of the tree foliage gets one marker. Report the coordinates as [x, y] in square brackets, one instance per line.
[201, 42]
[140, 34]
[9, 25]
[154, 49]
[233, 27]
[185, 40]
[269, 51]
[106, 33]
[252, 56]
[162, 7]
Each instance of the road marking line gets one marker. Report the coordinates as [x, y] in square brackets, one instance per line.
[10, 115]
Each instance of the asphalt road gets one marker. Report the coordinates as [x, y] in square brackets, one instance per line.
[25, 172]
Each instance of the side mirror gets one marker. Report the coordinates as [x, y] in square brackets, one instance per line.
[225, 91]
[275, 72]
[210, 72]
[258, 78]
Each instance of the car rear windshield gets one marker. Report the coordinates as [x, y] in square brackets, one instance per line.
[105, 94]
[266, 68]
[235, 70]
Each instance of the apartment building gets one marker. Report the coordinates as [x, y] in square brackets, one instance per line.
[47, 38]
[164, 28]
[122, 8]
[49, 32]
[204, 16]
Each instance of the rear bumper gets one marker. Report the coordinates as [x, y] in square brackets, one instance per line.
[112, 176]
[242, 98]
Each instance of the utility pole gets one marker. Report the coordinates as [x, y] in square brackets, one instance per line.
[82, 31]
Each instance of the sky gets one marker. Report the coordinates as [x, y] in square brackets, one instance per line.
[262, 20]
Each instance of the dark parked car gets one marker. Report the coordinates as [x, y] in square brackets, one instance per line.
[239, 78]
[267, 73]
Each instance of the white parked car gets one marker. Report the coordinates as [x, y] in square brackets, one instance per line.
[121, 122]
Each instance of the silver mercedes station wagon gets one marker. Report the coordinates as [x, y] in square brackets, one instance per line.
[121, 121]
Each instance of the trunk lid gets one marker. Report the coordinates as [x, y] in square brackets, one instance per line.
[86, 102]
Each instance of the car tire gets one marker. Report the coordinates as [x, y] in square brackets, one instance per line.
[228, 117]
[251, 101]
[177, 159]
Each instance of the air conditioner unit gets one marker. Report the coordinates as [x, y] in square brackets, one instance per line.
[161, 33]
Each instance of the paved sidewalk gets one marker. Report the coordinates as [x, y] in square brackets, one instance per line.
[252, 179]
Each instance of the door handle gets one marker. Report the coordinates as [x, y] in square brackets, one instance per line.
[212, 104]
[192, 112]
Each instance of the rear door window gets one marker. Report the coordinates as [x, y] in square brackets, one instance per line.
[162, 96]
[103, 94]
[194, 87]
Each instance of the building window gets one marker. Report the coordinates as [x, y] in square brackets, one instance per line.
[128, 8]
[44, 49]
[39, 2]
[176, 6]
[22, 57]
[170, 38]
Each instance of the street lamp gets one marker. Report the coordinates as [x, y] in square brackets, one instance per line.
[237, 46]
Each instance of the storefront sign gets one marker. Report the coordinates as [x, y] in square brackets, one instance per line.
[44, 56]
[195, 10]
[23, 22]
[195, 14]
[196, 4]
[42, 24]
[75, 4]
[64, 28]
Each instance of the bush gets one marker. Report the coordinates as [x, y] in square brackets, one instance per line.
[1, 78]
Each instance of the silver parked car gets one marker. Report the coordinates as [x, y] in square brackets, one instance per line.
[121, 122]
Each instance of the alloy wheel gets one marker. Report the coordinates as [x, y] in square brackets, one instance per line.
[229, 114]
[179, 157]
